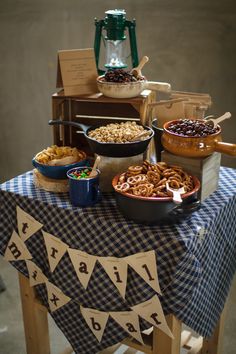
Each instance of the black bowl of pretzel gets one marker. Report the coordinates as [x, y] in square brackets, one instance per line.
[142, 195]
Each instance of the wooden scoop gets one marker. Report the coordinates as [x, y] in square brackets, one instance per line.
[137, 71]
[213, 122]
[137, 137]
[176, 193]
[93, 172]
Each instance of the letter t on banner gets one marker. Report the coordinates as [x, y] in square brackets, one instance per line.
[144, 263]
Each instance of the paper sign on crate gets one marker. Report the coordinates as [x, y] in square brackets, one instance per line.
[77, 72]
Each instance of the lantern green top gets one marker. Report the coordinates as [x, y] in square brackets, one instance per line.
[114, 24]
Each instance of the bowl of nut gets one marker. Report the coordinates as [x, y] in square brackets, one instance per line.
[194, 138]
[142, 194]
[55, 161]
[115, 139]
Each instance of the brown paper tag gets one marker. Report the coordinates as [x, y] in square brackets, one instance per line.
[36, 275]
[96, 320]
[56, 298]
[116, 268]
[144, 263]
[16, 250]
[77, 71]
[83, 264]
[152, 312]
[55, 249]
[130, 322]
[27, 225]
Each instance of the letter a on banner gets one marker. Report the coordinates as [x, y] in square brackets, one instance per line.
[56, 298]
[27, 225]
[16, 250]
[36, 276]
[96, 320]
[152, 312]
[145, 265]
[55, 249]
[83, 263]
[116, 269]
[130, 322]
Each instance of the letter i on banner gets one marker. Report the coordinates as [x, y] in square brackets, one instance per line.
[83, 263]
[55, 249]
[116, 268]
[96, 320]
[152, 312]
[145, 265]
[16, 250]
[56, 298]
[130, 322]
[36, 275]
[27, 225]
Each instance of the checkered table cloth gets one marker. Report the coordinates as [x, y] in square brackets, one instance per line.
[196, 257]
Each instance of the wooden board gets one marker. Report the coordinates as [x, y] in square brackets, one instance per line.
[49, 184]
[205, 169]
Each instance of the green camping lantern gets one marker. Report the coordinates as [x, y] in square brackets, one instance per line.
[115, 26]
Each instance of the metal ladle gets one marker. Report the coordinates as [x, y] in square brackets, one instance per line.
[214, 122]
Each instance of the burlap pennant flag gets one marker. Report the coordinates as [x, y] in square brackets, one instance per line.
[96, 320]
[129, 321]
[27, 225]
[55, 249]
[145, 265]
[83, 263]
[116, 268]
[36, 275]
[56, 298]
[16, 250]
[152, 312]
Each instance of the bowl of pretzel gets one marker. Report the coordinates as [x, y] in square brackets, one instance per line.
[55, 161]
[142, 194]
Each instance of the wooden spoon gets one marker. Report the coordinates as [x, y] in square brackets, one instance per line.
[176, 193]
[213, 122]
[93, 172]
[140, 135]
[137, 71]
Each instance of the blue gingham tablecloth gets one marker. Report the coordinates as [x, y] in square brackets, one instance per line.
[196, 257]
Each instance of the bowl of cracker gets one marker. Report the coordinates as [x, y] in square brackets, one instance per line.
[55, 161]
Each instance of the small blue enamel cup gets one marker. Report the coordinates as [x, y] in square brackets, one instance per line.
[83, 192]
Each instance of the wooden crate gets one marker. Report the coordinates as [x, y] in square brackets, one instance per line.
[205, 169]
[96, 109]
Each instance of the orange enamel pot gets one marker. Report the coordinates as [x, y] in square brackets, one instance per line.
[190, 146]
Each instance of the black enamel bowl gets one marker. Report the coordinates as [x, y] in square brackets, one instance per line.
[110, 149]
[156, 210]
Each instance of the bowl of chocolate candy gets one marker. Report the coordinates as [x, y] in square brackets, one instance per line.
[118, 83]
[194, 138]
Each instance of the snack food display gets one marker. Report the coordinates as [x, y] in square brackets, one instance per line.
[189, 127]
[119, 132]
[59, 155]
[149, 180]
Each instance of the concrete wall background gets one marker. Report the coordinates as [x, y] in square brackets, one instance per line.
[191, 44]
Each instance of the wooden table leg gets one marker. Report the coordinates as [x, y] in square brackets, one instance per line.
[163, 344]
[213, 345]
[35, 320]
